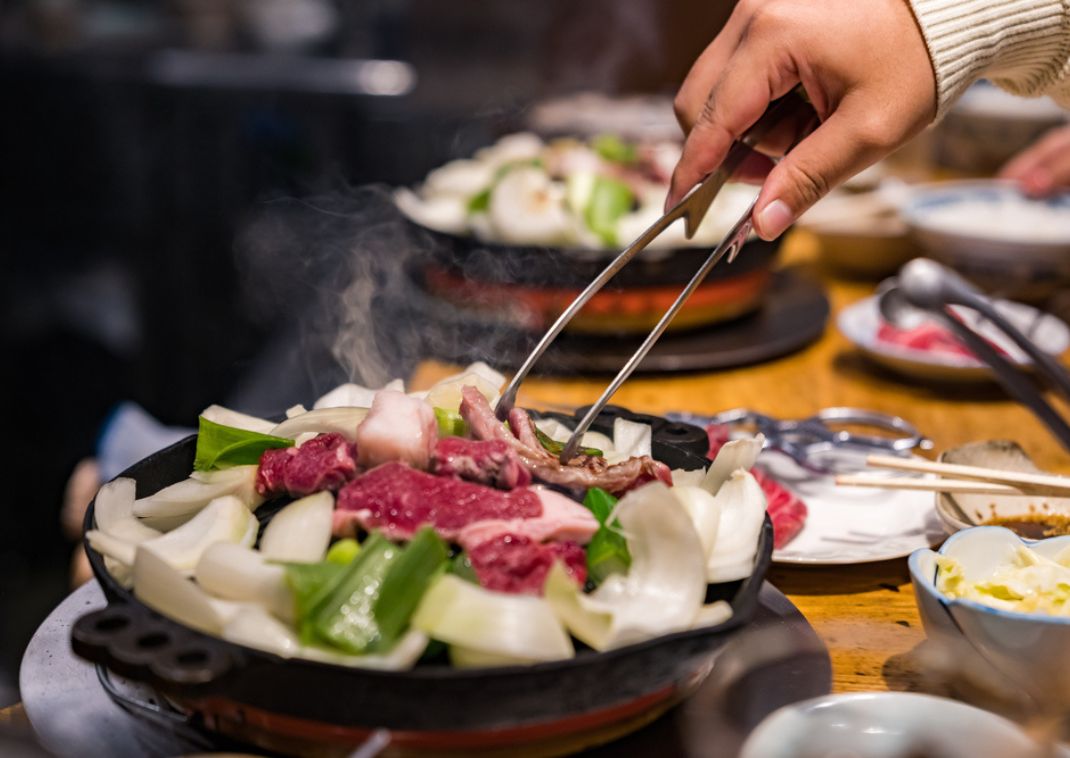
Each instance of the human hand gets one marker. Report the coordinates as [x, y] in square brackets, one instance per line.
[864, 67]
[1043, 168]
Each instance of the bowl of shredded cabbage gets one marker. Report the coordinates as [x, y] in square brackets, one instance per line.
[1000, 605]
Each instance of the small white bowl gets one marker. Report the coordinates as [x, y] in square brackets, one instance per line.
[861, 321]
[994, 235]
[886, 725]
[958, 512]
[1029, 651]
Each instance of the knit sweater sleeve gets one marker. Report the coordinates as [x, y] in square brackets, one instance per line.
[1020, 45]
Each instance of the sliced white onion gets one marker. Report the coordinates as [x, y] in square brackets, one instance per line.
[176, 504]
[120, 572]
[461, 178]
[742, 506]
[446, 394]
[682, 478]
[351, 395]
[705, 512]
[236, 572]
[236, 419]
[300, 532]
[111, 546]
[255, 628]
[527, 207]
[114, 502]
[492, 623]
[295, 410]
[342, 421]
[443, 213]
[664, 588]
[113, 511]
[713, 614]
[225, 519]
[161, 587]
[631, 439]
[734, 454]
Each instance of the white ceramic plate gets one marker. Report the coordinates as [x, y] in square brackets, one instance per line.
[853, 524]
[886, 725]
[860, 322]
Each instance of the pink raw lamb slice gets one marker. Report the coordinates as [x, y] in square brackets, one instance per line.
[397, 428]
[397, 500]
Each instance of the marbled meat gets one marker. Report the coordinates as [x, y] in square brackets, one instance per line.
[491, 462]
[581, 473]
[518, 564]
[397, 499]
[325, 462]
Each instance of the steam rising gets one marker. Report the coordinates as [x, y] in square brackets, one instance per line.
[334, 276]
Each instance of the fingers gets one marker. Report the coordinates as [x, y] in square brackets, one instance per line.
[738, 99]
[706, 70]
[1044, 166]
[840, 147]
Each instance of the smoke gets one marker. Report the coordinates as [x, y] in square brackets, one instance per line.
[335, 281]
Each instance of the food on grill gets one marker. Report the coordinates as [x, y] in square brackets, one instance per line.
[325, 462]
[786, 510]
[595, 194]
[446, 525]
[492, 462]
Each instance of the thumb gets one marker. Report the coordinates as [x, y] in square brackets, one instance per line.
[834, 152]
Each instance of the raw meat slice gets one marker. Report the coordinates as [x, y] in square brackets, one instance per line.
[397, 499]
[325, 462]
[561, 518]
[490, 462]
[786, 510]
[518, 564]
[397, 428]
[581, 473]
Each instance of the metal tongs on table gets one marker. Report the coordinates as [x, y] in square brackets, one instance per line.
[926, 285]
[693, 208]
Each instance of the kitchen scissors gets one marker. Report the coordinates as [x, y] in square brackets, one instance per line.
[821, 443]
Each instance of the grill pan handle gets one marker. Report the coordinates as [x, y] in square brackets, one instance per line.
[137, 644]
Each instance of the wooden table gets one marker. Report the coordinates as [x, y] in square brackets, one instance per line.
[865, 613]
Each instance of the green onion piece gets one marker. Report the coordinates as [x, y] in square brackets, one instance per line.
[366, 606]
[607, 552]
[344, 618]
[610, 199]
[479, 203]
[307, 582]
[450, 424]
[600, 503]
[554, 447]
[613, 148]
[343, 552]
[461, 566]
[405, 583]
[220, 446]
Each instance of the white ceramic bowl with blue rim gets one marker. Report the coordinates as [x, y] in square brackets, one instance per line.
[1030, 650]
[886, 725]
[992, 233]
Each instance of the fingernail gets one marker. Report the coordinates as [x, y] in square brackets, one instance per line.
[773, 219]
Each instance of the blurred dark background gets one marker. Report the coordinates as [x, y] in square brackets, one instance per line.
[139, 141]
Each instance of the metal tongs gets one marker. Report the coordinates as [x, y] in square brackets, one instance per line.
[692, 209]
[926, 285]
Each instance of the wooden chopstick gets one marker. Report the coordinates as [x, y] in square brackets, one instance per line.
[1033, 484]
[957, 486]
